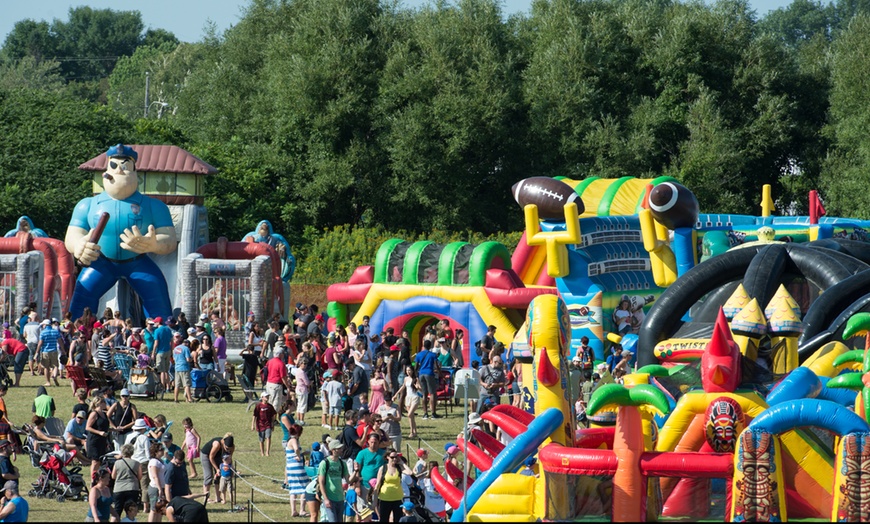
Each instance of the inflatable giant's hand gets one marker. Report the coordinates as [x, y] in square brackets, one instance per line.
[160, 241]
[78, 243]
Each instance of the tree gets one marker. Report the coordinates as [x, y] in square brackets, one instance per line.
[45, 137]
[169, 66]
[845, 175]
[451, 120]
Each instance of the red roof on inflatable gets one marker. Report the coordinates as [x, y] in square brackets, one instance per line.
[158, 159]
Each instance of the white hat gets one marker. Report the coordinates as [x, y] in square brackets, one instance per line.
[140, 425]
[125, 392]
[264, 395]
[45, 322]
[191, 331]
[474, 418]
[203, 316]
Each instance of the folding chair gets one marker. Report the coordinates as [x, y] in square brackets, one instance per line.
[76, 374]
[124, 363]
[444, 393]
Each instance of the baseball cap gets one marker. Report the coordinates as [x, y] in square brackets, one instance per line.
[264, 395]
[363, 411]
[191, 331]
[315, 446]
[328, 374]
[335, 444]
[394, 348]
[81, 414]
[408, 505]
[318, 317]
[299, 305]
[125, 392]
[167, 436]
[203, 316]
[10, 485]
[158, 320]
[47, 322]
[452, 450]
[97, 324]
[421, 452]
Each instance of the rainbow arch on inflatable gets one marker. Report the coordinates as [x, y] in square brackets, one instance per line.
[416, 284]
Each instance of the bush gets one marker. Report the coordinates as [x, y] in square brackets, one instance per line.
[332, 256]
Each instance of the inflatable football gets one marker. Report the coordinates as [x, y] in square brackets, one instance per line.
[549, 194]
[673, 205]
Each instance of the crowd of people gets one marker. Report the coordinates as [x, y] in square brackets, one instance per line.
[372, 389]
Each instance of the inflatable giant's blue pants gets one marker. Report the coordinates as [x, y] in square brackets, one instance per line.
[142, 274]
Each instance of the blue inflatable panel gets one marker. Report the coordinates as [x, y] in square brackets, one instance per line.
[823, 414]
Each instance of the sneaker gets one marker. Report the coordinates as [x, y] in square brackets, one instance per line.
[300, 422]
[327, 426]
[435, 416]
[426, 416]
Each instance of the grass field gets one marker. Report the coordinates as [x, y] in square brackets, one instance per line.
[210, 420]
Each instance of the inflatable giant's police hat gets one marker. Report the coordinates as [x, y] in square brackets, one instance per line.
[122, 151]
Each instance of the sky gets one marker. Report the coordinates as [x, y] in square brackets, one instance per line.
[188, 18]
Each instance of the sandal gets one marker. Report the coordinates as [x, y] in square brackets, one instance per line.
[412, 435]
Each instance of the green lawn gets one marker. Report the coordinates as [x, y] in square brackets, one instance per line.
[210, 420]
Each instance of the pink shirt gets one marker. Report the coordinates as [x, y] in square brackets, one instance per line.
[302, 382]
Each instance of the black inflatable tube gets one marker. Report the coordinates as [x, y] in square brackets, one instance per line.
[852, 264]
[854, 248]
[832, 303]
[762, 267]
[664, 316]
[835, 329]
[762, 275]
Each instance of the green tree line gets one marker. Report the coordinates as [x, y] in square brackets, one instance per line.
[324, 115]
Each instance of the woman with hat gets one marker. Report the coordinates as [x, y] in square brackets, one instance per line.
[122, 414]
[142, 454]
[295, 476]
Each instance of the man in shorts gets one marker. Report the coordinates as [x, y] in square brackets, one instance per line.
[277, 379]
[161, 353]
[262, 422]
[333, 390]
[426, 362]
[50, 343]
[183, 360]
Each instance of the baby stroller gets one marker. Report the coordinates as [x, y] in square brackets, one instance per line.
[210, 385]
[144, 382]
[418, 499]
[55, 479]
[5, 378]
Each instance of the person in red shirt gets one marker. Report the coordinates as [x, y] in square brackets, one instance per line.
[18, 351]
[277, 379]
[365, 426]
[262, 422]
[446, 331]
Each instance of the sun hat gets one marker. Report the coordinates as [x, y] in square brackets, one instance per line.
[335, 444]
[140, 424]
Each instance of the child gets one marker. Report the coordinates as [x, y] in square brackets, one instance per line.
[131, 508]
[333, 390]
[529, 467]
[420, 465]
[191, 445]
[226, 477]
[351, 498]
[408, 514]
[434, 501]
[316, 456]
[143, 360]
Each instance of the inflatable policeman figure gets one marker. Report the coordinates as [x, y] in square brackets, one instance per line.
[137, 225]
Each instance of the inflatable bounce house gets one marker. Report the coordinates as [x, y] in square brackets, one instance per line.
[748, 403]
[142, 244]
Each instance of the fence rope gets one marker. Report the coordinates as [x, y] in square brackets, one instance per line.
[258, 473]
[270, 519]
[279, 496]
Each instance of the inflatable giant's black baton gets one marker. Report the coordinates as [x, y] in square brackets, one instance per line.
[97, 232]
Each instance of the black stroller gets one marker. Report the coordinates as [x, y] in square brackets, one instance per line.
[418, 499]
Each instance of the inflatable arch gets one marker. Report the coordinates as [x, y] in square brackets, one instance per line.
[415, 284]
